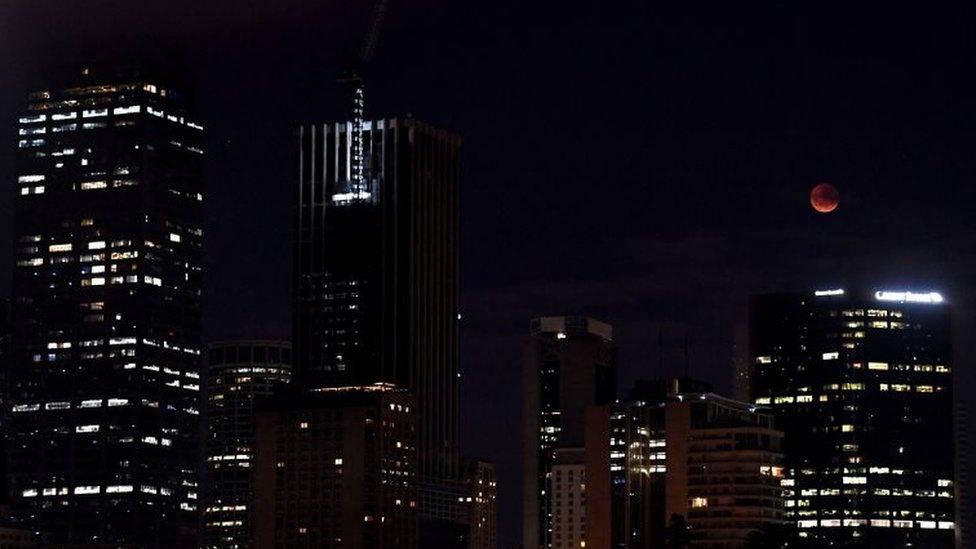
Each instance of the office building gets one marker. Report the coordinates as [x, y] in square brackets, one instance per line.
[337, 468]
[713, 462]
[861, 384]
[376, 277]
[482, 490]
[568, 366]
[239, 375]
[105, 367]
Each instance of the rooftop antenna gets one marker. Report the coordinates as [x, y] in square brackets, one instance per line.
[352, 78]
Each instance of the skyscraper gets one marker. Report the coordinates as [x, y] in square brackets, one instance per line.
[376, 274]
[239, 375]
[105, 369]
[569, 365]
[337, 469]
[861, 384]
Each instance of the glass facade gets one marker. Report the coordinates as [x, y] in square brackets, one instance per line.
[376, 277]
[105, 369]
[861, 383]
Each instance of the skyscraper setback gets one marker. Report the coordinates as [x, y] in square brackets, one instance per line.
[105, 366]
[376, 274]
[861, 384]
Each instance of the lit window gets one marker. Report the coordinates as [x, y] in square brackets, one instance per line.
[127, 110]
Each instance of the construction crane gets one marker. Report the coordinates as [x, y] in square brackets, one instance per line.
[352, 79]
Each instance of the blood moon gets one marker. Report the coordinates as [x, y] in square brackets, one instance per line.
[824, 198]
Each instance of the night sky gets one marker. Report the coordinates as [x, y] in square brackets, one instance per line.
[646, 165]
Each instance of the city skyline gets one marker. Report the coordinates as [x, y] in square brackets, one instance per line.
[665, 222]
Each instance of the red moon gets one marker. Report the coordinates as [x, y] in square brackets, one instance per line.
[824, 198]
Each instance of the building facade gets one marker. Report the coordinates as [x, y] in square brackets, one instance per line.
[861, 383]
[482, 489]
[714, 462]
[337, 469]
[376, 274]
[568, 365]
[105, 369]
[568, 499]
[239, 375]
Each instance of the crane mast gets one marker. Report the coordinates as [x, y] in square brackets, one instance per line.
[359, 188]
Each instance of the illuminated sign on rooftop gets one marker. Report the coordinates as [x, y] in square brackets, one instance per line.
[822, 293]
[908, 297]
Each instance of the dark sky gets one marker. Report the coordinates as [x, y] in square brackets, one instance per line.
[644, 164]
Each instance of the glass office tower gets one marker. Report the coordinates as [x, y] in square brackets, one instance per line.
[105, 367]
[861, 384]
[376, 278]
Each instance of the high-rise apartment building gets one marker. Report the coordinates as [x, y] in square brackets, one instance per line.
[105, 369]
[337, 469]
[482, 490]
[569, 365]
[239, 375]
[861, 383]
[376, 277]
[714, 462]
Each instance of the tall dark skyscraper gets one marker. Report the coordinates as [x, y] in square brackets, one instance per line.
[376, 271]
[861, 384]
[239, 375]
[569, 365]
[105, 369]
